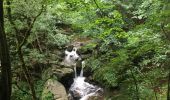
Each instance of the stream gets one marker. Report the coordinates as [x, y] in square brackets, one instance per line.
[80, 90]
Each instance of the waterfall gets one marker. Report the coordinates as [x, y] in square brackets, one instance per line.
[83, 65]
[81, 89]
[75, 72]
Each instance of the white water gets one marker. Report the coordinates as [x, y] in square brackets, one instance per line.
[82, 89]
[79, 89]
[83, 65]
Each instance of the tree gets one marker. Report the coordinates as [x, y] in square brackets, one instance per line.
[22, 42]
[5, 85]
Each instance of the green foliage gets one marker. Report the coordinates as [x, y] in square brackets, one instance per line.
[48, 96]
[142, 47]
[58, 39]
[18, 94]
[107, 77]
[130, 49]
[89, 46]
[21, 90]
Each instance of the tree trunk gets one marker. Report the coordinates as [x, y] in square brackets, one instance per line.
[20, 44]
[168, 91]
[21, 57]
[5, 84]
[27, 75]
[136, 85]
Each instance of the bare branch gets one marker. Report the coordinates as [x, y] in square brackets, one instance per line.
[30, 28]
[101, 12]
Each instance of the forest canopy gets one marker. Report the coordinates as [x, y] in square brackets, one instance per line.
[125, 44]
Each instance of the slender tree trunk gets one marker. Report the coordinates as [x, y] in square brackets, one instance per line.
[168, 62]
[20, 53]
[136, 85]
[168, 91]
[167, 36]
[156, 97]
[27, 75]
[21, 43]
[5, 82]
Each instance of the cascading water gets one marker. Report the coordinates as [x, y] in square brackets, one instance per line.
[81, 90]
[83, 65]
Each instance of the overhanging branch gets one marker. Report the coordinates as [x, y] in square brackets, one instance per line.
[30, 28]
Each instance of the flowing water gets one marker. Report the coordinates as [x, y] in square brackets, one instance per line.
[81, 90]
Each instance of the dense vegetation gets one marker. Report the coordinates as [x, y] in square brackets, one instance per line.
[129, 48]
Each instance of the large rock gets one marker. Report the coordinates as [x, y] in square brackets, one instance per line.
[56, 72]
[62, 74]
[56, 89]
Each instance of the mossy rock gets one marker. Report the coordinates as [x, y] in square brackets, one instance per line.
[54, 90]
[56, 72]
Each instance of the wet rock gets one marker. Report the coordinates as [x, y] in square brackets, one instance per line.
[93, 96]
[82, 90]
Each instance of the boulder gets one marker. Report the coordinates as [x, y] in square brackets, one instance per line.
[62, 72]
[56, 89]
[56, 72]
